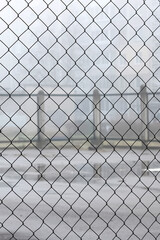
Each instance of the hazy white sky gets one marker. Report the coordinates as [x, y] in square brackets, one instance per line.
[52, 39]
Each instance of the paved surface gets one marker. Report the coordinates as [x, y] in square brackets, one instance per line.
[112, 201]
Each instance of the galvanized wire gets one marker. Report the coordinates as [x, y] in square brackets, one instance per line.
[79, 119]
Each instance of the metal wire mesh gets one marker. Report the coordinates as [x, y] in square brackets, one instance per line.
[79, 119]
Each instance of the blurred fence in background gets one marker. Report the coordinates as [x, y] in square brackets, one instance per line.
[41, 117]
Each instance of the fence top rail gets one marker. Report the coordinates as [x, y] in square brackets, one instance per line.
[75, 94]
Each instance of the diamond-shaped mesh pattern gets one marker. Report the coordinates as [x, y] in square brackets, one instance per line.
[79, 119]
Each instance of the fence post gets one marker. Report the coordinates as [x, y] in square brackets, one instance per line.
[40, 118]
[144, 115]
[96, 117]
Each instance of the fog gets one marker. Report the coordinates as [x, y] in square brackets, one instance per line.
[79, 119]
[74, 47]
[79, 45]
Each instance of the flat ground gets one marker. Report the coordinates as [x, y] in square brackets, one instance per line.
[70, 194]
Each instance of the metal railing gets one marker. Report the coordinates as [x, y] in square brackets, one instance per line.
[79, 119]
[63, 119]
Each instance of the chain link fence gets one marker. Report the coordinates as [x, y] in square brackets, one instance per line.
[79, 119]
